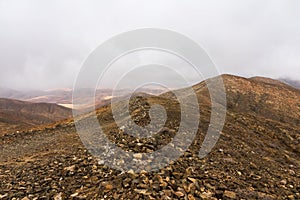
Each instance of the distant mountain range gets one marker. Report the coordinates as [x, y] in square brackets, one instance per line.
[64, 96]
[24, 110]
[16, 115]
[294, 83]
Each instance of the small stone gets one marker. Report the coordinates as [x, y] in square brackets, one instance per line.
[94, 167]
[70, 168]
[138, 156]
[179, 194]
[142, 191]
[81, 197]
[126, 182]
[189, 171]
[2, 196]
[163, 184]
[222, 186]
[48, 179]
[191, 197]
[74, 195]
[159, 178]
[122, 128]
[292, 172]
[109, 187]
[229, 194]
[58, 196]
[25, 198]
[94, 179]
[131, 172]
[101, 162]
[291, 197]
[206, 195]
[193, 180]
[283, 182]
[116, 196]
[239, 173]
[168, 193]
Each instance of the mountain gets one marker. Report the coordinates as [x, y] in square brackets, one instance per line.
[256, 157]
[294, 83]
[18, 115]
[64, 97]
[269, 81]
[8, 93]
[280, 81]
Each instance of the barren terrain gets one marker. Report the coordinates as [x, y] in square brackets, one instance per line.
[256, 157]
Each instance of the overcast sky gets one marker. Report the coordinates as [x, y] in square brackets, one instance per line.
[44, 43]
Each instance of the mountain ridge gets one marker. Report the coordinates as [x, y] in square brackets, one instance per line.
[256, 157]
[16, 115]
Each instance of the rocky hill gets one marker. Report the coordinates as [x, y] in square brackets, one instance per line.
[18, 115]
[256, 157]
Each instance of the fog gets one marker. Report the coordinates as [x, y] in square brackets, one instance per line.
[43, 44]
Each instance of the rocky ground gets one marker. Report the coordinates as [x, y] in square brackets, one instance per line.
[256, 157]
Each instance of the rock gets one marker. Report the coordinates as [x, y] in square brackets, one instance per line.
[262, 195]
[25, 198]
[179, 194]
[229, 194]
[138, 156]
[74, 195]
[2, 196]
[163, 184]
[122, 128]
[206, 195]
[283, 182]
[116, 196]
[142, 191]
[70, 168]
[291, 197]
[131, 172]
[193, 180]
[94, 167]
[109, 187]
[126, 182]
[94, 179]
[58, 196]
[191, 197]
[292, 172]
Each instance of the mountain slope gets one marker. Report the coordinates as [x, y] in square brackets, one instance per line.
[256, 157]
[18, 115]
[293, 83]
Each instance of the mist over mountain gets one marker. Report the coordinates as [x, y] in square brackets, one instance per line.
[291, 82]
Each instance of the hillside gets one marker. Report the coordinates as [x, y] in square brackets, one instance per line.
[18, 115]
[291, 82]
[64, 96]
[256, 157]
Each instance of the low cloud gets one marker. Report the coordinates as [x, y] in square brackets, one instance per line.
[44, 43]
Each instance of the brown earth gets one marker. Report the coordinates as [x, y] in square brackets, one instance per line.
[256, 157]
[18, 115]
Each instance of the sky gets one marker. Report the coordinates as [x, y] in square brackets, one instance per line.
[43, 44]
